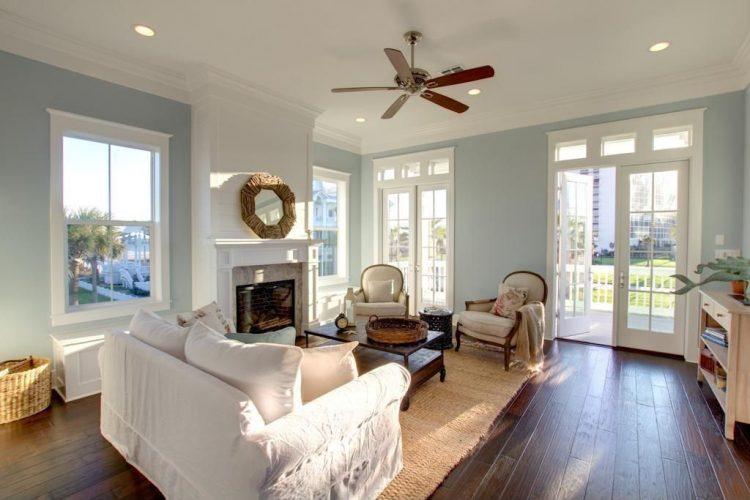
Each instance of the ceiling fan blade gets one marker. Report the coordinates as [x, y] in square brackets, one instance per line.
[361, 89]
[467, 75]
[400, 64]
[393, 109]
[444, 101]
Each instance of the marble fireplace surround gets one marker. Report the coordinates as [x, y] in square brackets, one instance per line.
[252, 261]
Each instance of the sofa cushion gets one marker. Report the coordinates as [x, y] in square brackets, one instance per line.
[268, 373]
[327, 367]
[486, 323]
[382, 309]
[285, 336]
[380, 291]
[159, 333]
[211, 315]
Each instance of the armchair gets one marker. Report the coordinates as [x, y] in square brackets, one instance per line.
[366, 305]
[478, 323]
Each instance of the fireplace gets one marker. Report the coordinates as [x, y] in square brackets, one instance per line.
[264, 307]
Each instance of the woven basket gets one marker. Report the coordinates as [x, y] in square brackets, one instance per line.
[24, 388]
[396, 330]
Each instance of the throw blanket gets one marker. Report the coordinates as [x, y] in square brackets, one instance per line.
[530, 335]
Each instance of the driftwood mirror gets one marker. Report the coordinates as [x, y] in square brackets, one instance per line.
[267, 206]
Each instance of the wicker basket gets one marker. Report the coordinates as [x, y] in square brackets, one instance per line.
[396, 330]
[24, 388]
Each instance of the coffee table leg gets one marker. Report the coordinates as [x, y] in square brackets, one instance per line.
[406, 361]
[442, 374]
[405, 403]
[307, 340]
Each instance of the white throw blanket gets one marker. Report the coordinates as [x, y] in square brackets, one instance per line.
[530, 336]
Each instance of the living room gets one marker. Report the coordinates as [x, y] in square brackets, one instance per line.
[393, 249]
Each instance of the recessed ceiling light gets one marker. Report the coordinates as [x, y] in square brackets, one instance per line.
[659, 46]
[144, 30]
[360, 119]
[474, 92]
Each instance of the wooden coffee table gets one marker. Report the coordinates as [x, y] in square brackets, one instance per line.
[422, 363]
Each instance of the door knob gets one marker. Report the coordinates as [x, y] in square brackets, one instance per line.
[622, 279]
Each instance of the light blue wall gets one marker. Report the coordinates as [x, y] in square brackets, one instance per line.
[501, 192]
[345, 161]
[27, 88]
[746, 219]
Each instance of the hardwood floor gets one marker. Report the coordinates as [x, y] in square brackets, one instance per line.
[595, 423]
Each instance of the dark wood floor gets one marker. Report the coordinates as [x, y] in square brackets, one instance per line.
[596, 423]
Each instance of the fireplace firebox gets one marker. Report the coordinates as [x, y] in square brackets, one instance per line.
[264, 307]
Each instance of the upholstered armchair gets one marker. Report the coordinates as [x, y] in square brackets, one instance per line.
[478, 323]
[381, 293]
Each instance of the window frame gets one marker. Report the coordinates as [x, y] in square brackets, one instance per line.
[342, 179]
[64, 124]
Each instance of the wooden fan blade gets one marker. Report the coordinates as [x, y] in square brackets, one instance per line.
[361, 89]
[465, 76]
[393, 109]
[444, 101]
[400, 64]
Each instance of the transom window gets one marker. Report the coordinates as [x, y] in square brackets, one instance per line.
[108, 219]
[618, 144]
[573, 150]
[329, 198]
[672, 138]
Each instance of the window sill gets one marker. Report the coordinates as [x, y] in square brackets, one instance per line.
[108, 312]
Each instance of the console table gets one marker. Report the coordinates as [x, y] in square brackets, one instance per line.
[722, 310]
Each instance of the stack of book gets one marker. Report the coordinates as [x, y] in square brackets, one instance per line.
[716, 335]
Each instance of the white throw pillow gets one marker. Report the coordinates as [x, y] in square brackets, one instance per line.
[211, 315]
[327, 367]
[268, 373]
[380, 291]
[159, 333]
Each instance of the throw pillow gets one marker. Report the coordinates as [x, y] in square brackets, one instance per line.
[509, 299]
[380, 291]
[285, 336]
[211, 315]
[159, 333]
[327, 367]
[268, 373]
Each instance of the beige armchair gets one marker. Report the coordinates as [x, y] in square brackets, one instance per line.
[478, 322]
[394, 305]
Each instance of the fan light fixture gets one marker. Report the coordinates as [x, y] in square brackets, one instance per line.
[144, 30]
[474, 92]
[360, 119]
[659, 46]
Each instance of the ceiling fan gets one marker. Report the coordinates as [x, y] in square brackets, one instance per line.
[417, 81]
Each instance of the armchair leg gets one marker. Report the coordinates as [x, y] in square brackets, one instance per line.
[458, 339]
[506, 352]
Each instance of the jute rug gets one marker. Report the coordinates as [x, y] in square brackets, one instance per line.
[445, 421]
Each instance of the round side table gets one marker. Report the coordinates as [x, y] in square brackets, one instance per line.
[440, 321]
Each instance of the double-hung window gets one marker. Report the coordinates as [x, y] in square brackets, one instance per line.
[109, 234]
[329, 223]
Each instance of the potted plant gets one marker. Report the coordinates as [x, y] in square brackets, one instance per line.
[733, 269]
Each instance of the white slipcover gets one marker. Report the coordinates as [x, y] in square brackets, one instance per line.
[194, 436]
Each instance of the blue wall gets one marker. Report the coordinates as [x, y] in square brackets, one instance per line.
[746, 220]
[345, 161]
[501, 192]
[27, 88]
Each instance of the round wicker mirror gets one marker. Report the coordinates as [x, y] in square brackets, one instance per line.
[268, 206]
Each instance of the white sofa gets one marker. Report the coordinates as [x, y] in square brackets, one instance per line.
[188, 432]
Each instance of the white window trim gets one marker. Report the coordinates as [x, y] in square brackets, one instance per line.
[378, 185]
[342, 199]
[62, 124]
[644, 129]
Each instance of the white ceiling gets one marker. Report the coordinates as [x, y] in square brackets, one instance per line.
[544, 52]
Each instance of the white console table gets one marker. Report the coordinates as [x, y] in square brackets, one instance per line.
[719, 309]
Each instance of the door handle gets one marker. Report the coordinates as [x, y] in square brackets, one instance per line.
[622, 279]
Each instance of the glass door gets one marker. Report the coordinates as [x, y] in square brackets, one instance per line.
[652, 232]
[576, 214]
[432, 268]
[399, 215]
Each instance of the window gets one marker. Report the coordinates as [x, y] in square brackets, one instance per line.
[109, 212]
[618, 144]
[574, 150]
[673, 138]
[329, 198]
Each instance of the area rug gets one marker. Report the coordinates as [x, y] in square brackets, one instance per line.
[445, 421]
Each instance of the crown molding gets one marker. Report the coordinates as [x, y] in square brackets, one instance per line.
[337, 138]
[671, 88]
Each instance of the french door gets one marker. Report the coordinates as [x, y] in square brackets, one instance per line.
[652, 236]
[415, 238]
[576, 216]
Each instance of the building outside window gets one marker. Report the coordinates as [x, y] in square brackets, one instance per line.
[329, 225]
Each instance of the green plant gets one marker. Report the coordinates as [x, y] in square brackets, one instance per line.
[729, 269]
